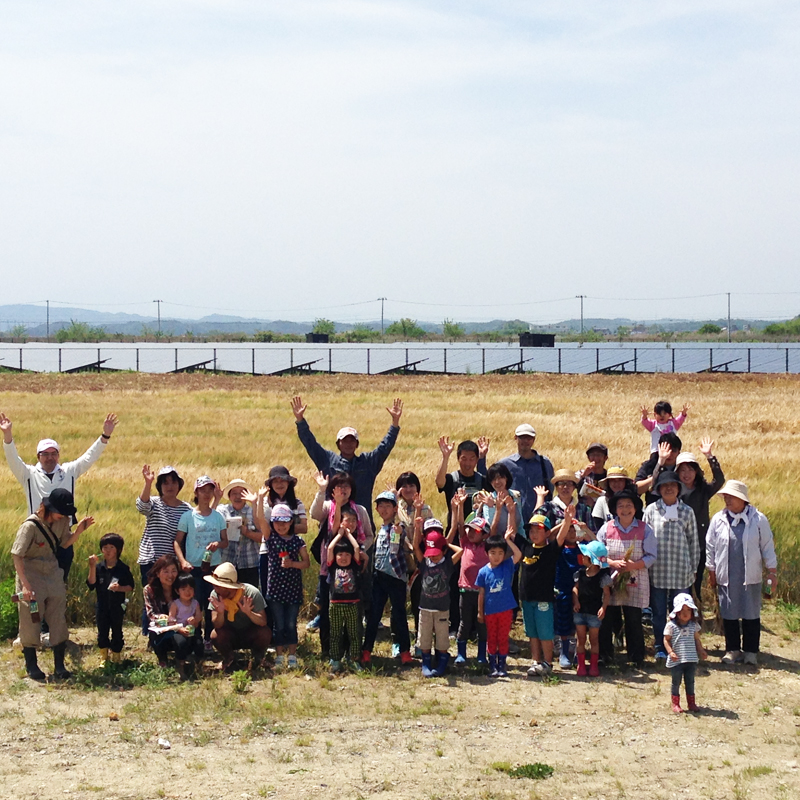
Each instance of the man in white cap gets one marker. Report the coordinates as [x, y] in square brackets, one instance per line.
[39, 479]
[528, 468]
[364, 467]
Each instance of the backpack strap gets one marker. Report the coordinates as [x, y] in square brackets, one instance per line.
[53, 545]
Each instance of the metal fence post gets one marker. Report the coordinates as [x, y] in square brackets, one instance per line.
[748, 359]
[635, 358]
[444, 353]
[483, 360]
[137, 359]
[176, 359]
[253, 362]
[215, 359]
[597, 359]
[98, 359]
[368, 361]
[20, 361]
[710, 359]
[59, 359]
[291, 357]
[559, 360]
[787, 359]
[330, 360]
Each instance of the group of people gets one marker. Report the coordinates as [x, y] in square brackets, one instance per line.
[580, 554]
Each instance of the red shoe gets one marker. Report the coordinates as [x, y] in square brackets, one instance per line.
[581, 665]
[676, 704]
[594, 667]
[405, 658]
[691, 703]
[366, 657]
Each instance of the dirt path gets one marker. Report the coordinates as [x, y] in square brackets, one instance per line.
[397, 736]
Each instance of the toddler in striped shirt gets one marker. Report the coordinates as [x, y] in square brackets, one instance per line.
[684, 648]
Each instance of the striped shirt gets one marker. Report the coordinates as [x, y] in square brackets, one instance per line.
[159, 531]
[682, 641]
[678, 544]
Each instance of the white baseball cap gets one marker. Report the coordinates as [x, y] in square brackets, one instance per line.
[347, 432]
[525, 430]
[47, 444]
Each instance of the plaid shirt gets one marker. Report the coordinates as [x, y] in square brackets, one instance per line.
[243, 554]
[388, 560]
[678, 546]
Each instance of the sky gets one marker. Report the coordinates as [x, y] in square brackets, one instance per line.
[464, 160]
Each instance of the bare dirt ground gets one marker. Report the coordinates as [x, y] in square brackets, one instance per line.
[391, 734]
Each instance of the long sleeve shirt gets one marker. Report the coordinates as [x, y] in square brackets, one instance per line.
[527, 473]
[37, 484]
[364, 467]
[675, 528]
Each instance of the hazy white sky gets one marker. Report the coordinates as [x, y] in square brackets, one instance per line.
[491, 159]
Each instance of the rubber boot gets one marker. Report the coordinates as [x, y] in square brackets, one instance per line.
[366, 657]
[691, 703]
[61, 672]
[461, 658]
[31, 664]
[116, 658]
[493, 665]
[103, 656]
[676, 704]
[427, 672]
[482, 652]
[441, 664]
[582, 665]
[502, 672]
[594, 668]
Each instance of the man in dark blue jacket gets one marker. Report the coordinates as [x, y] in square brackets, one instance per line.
[364, 467]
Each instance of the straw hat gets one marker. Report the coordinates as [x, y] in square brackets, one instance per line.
[613, 472]
[224, 576]
[564, 475]
[234, 484]
[735, 489]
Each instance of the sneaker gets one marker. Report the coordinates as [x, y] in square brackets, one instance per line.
[291, 662]
[279, 662]
[733, 657]
[533, 670]
[545, 669]
[557, 646]
[335, 666]
[564, 661]
[395, 650]
[313, 625]
[661, 655]
[751, 659]
[513, 648]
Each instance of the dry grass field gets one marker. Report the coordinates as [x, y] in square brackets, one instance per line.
[387, 733]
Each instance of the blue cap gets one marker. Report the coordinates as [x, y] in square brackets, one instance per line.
[595, 550]
[388, 496]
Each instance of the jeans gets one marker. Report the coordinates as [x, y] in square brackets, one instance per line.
[385, 587]
[661, 604]
[745, 636]
[284, 622]
[686, 671]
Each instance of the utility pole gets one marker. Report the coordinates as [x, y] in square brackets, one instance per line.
[48, 319]
[158, 305]
[383, 300]
[581, 297]
[729, 317]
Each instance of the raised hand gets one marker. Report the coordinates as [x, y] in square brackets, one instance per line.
[250, 497]
[483, 446]
[418, 503]
[569, 513]
[109, 424]
[5, 423]
[148, 474]
[445, 446]
[216, 604]
[645, 412]
[541, 491]
[246, 604]
[396, 411]
[664, 452]
[321, 480]
[217, 492]
[685, 409]
[298, 409]
[85, 523]
[706, 446]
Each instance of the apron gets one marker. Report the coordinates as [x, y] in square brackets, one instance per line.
[617, 542]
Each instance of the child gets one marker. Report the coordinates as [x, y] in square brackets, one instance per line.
[110, 579]
[185, 611]
[496, 598]
[663, 423]
[474, 557]
[590, 597]
[434, 602]
[537, 577]
[682, 640]
[244, 537]
[286, 556]
[389, 580]
[502, 502]
[345, 584]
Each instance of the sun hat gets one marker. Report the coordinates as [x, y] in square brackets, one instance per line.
[679, 601]
[168, 470]
[597, 446]
[613, 472]
[280, 472]
[343, 432]
[525, 430]
[432, 524]
[61, 501]
[685, 458]
[736, 489]
[477, 523]
[540, 521]
[595, 550]
[667, 476]
[280, 512]
[47, 444]
[204, 480]
[224, 576]
[435, 544]
[564, 475]
[389, 497]
[234, 484]
[628, 493]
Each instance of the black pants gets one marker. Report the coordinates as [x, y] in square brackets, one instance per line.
[109, 618]
[742, 634]
[248, 575]
[634, 634]
[469, 618]
[701, 570]
[183, 646]
[323, 593]
[455, 601]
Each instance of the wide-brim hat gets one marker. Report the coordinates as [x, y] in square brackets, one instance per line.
[224, 576]
[280, 472]
[681, 600]
[736, 489]
[628, 493]
[236, 483]
[595, 550]
[668, 476]
[169, 470]
[614, 472]
[564, 475]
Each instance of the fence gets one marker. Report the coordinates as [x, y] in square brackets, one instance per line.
[390, 359]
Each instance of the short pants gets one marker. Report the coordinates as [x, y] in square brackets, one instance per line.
[538, 619]
[588, 620]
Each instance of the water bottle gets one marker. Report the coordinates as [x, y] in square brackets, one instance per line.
[206, 563]
[35, 615]
[768, 589]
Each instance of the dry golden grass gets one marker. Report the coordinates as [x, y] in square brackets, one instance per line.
[240, 426]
